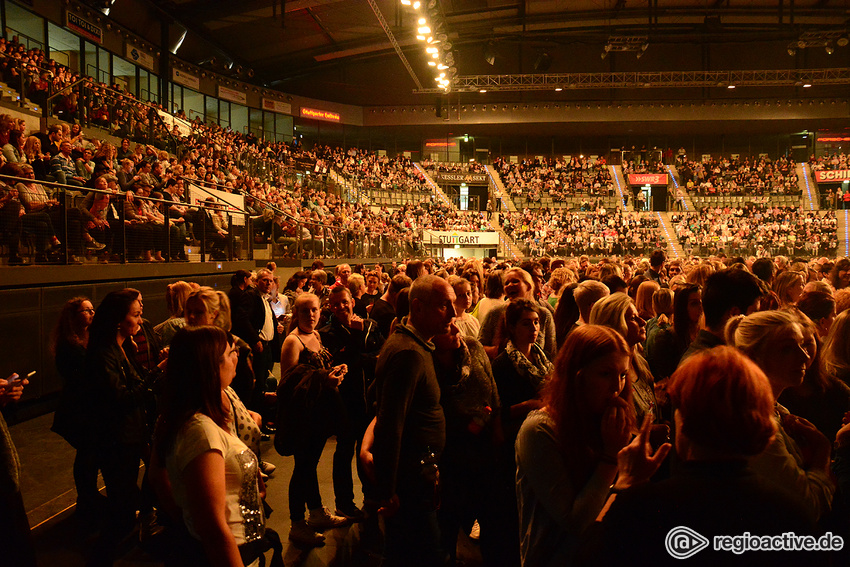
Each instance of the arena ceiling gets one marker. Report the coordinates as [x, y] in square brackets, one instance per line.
[342, 50]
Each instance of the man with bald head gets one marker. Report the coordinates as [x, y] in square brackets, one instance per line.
[410, 430]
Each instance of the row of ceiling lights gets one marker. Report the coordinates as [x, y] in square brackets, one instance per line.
[438, 49]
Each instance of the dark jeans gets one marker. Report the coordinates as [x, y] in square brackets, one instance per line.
[304, 485]
[412, 534]
[85, 476]
[119, 465]
[348, 441]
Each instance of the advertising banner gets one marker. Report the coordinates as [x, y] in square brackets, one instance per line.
[446, 238]
[232, 95]
[833, 176]
[277, 106]
[186, 79]
[83, 27]
[231, 202]
[648, 179]
[139, 57]
[468, 178]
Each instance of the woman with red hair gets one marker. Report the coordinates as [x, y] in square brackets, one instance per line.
[724, 410]
[567, 452]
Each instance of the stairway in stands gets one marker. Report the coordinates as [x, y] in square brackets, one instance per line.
[673, 248]
[498, 189]
[621, 186]
[806, 181]
[677, 182]
[843, 218]
[434, 187]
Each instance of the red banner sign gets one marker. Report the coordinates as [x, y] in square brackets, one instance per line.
[648, 179]
[836, 176]
[319, 114]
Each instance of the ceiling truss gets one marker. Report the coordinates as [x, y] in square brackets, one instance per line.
[634, 80]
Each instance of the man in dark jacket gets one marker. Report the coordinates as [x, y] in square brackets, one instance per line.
[355, 342]
[410, 431]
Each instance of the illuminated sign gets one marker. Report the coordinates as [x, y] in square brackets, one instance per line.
[835, 139]
[319, 114]
[440, 144]
[837, 175]
[647, 179]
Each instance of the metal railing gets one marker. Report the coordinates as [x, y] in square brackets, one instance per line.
[99, 106]
[293, 237]
[125, 229]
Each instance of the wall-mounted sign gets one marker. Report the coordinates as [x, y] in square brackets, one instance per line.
[83, 27]
[139, 57]
[835, 176]
[834, 139]
[465, 238]
[277, 106]
[439, 144]
[317, 114]
[232, 95]
[470, 178]
[648, 179]
[186, 79]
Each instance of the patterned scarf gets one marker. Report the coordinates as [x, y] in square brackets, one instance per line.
[534, 370]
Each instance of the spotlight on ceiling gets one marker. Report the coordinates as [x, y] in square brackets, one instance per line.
[544, 61]
[490, 54]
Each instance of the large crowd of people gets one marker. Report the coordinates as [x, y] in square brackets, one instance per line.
[529, 179]
[538, 401]
[540, 232]
[452, 167]
[753, 175]
[759, 230]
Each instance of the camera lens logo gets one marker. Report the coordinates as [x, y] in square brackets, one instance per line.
[683, 542]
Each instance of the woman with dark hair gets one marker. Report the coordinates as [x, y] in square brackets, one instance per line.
[566, 313]
[520, 373]
[117, 390]
[567, 450]
[664, 352]
[518, 285]
[214, 476]
[839, 277]
[494, 294]
[70, 339]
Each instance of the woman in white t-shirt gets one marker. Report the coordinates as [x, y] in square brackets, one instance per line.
[214, 476]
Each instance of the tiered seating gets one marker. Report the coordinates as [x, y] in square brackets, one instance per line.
[758, 230]
[602, 232]
[577, 184]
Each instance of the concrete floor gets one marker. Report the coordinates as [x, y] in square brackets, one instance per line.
[63, 540]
